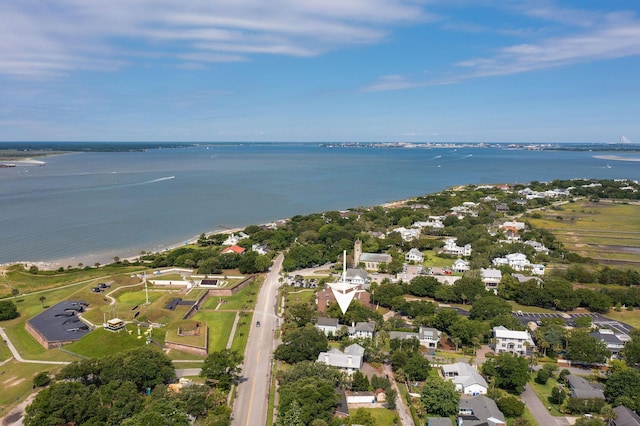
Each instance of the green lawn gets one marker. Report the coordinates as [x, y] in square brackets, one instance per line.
[5, 353]
[100, 342]
[26, 282]
[527, 416]
[515, 307]
[194, 340]
[544, 393]
[383, 416]
[244, 299]
[220, 324]
[16, 381]
[630, 317]
[242, 333]
[300, 296]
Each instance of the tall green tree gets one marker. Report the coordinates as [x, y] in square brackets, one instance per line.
[222, 368]
[489, 307]
[510, 372]
[8, 310]
[440, 397]
[581, 347]
[302, 344]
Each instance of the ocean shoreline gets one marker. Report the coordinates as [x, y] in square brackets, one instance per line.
[108, 258]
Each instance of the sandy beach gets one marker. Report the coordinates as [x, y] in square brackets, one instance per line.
[106, 258]
[616, 158]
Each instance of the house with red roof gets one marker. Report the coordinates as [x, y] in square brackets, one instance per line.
[233, 249]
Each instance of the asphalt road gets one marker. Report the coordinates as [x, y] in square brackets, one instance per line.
[252, 396]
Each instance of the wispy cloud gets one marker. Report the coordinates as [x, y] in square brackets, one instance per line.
[598, 37]
[49, 38]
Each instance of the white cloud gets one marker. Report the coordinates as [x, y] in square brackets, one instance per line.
[610, 36]
[48, 38]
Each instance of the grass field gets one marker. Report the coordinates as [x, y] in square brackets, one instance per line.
[194, 340]
[630, 317]
[244, 299]
[383, 416]
[220, 324]
[16, 381]
[17, 277]
[100, 342]
[585, 228]
[544, 393]
[295, 295]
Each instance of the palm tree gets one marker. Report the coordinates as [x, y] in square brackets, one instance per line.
[42, 299]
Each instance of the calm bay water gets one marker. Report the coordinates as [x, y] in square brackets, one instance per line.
[91, 207]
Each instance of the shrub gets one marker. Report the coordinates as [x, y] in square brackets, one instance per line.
[41, 379]
[543, 376]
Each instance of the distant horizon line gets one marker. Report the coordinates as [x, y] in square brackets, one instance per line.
[626, 143]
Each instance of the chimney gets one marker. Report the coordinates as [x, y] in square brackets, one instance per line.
[326, 358]
[349, 360]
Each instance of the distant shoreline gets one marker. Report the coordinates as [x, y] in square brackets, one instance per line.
[616, 158]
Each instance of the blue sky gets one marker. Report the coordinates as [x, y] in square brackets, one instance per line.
[320, 70]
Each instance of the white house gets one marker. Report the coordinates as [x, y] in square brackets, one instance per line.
[233, 239]
[516, 261]
[414, 255]
[362, 397]
[537, 269]
[466, 378]
[428, 337]
[431, 223]
[514, 341]
[328, 325]
[407, 234]
[460, 266]
[362, 330]
[358, 276]
[261, 249]
[491, 278]
[348, 361]
[450, 247]
[538, 247]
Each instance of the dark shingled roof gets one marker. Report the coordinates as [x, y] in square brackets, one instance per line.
[58, 322]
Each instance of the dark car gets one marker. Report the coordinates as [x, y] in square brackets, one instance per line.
[258, 324]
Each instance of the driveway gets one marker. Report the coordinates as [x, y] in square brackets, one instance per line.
[403, 412]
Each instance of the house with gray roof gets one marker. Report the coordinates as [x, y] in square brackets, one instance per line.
[625, 417]
[414, 255]
[615, 342]
[466, 378]
[491, 278]
[358, 276]
[583, 389]
[479, 411]
[348, 361]
[328, 325]
[371, 261]
[362, 330]
[428, 337]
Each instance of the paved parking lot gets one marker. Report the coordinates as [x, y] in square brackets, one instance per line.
[599, 320]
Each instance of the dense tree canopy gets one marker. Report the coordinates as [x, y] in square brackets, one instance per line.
[508, 371]
[300, 344]
[440, 397]
[8, 310]
[222, 368]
